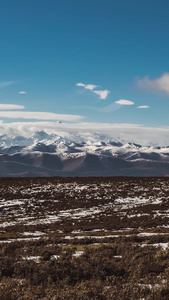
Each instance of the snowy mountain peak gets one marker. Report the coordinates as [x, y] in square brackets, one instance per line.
[41, 135]
[75, 154]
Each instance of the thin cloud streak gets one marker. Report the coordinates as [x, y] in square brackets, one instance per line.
[39, 116]
[6, 83]
[109, 108]
[10, 106]
[143, 106]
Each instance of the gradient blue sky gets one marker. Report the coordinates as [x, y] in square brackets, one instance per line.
[48, 46]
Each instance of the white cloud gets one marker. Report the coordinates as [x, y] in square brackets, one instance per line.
[39, 116]
[102, 94]
[10, 106]
[106, 131]
[6, 83]
[90, 87]
[80, 84]
[160, 84]
[22, 92]
[124, 102]
[143, 106]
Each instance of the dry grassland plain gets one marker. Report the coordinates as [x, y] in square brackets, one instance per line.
[84, 238]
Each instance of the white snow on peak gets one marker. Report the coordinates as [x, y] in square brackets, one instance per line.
[65, 144]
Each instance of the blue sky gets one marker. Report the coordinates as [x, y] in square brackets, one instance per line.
[54, 50]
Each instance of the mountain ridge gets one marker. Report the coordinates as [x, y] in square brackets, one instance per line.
[45, 154]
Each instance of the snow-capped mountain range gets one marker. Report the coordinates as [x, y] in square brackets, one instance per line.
[45, 154]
